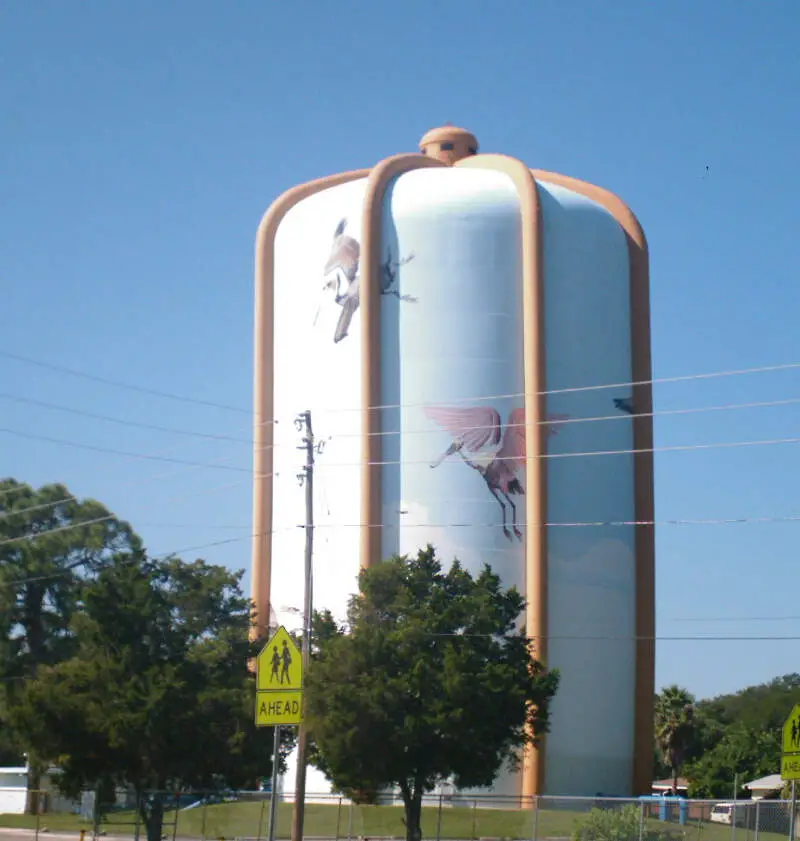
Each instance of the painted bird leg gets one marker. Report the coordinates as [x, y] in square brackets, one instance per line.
[494, 493]
[517, 532]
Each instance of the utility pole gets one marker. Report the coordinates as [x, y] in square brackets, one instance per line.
[303, 424]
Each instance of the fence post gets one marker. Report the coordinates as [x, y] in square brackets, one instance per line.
[96, 816]
[338, 817]
[439, 819]
[474, 818]
[137, 808]
[755, 833]
[350, 823]
[38, 813]
[641, 820]
[260, 820]
[535, 817]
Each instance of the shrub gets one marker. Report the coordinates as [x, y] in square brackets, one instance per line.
[618, 825]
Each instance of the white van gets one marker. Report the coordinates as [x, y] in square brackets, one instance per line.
[723, 813]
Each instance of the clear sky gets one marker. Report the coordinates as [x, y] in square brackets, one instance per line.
[141, 143]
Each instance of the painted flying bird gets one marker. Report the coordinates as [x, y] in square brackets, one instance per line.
[624, 404]
[495, 453]
[343, 265]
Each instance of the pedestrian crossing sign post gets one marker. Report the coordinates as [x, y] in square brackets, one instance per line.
[279, 682]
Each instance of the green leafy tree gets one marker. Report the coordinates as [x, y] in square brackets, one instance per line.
[676, 730]
[740, 750]
[431, 681]
[40, 578]
[11, 752]
[761, 707]
[158, 694]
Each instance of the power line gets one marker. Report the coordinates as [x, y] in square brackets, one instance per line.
[790, 518]
[122, 421]
[560, 421]
[120, 384]
[579, 389]
[734, 619]
[573, 389]
[163, 455]
[666, 449]
[590, 637]
[196, 464]
[113, 451]
[643, 638]
[106, 518]
[564, 421]
[498, 458]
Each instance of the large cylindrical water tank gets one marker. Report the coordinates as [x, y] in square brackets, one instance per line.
[471, 338]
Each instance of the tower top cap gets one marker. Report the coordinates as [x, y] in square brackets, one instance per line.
[448, 143]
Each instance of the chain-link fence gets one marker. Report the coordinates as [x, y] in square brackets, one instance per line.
[245, 816]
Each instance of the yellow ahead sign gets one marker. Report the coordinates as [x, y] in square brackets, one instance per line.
[790, 766]
[279, 682]
[279, 708]
[279, 665]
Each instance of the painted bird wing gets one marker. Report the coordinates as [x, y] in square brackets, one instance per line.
[349, 307]
[473, 427]
[555, 422]
[345, 253]
[513, 447]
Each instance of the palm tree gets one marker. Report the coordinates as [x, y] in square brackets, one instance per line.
[675, 728]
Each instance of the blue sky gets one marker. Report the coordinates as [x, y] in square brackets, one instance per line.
[141, 143]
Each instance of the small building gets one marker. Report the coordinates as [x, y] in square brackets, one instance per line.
[764, 786]
[664, 787]
[14, 792]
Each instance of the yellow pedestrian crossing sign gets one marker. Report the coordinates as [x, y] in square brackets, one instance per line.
[279, 682]
[279, 665]
[790, 746]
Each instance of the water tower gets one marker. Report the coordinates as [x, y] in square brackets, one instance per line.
[472, 338]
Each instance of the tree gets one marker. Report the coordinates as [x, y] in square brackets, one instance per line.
[431, 681]
[40, 577]
[675, 728]
[740, 750]
[158, 693]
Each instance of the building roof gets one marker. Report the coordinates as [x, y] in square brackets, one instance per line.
[769, 783]
[682, 783]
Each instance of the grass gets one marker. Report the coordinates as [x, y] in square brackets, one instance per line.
[250, 820]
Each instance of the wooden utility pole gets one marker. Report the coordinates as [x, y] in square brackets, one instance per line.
[303, 423]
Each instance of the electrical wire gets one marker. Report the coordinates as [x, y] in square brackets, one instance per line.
[59, 407]
[113, 451]
[734, 372]
[162, 455]
[106, 518]
[62, 369]
[565, 420]
[728, 521]
[633, 451]
[576, 637]
[790, 518]
[498, 458]
[580, 389]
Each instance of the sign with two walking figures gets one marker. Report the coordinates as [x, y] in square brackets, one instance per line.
[279, 682]
[790, 746]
